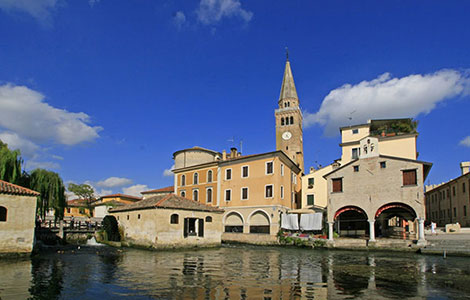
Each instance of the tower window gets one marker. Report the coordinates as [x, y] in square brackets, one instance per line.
[287, 120]
[282, 121]
[291, 120]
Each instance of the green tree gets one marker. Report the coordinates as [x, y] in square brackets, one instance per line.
[84, 192]
[52, 190]
[10, 165]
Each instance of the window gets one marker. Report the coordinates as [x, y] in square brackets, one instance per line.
[209, 176]
[455, 212]
[287, 121]
[282, 121]
[282, 169]
[208, 219]
[337, 185]
[282, 192]
[268, 191]
[174, 219]
[356, 168]
[68, 210]
[138, 216]
[183, 180]
[465, 210]
[195, 178]
[291, 120]
[183, 194]
[383, 165]
[245, 171]
[244, 193]
[3, 214]
[228, 195]
[209, 195]
[269, 167]
[310, 199]
[355, 131]
[355, 153]
[463, 187]
[311, 182]
[228, 174]
[195, 195]
[453, 190]
[128, 217]
[409, 177]
[189, 228]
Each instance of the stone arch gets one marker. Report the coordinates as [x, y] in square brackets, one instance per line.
[233, 222]
[351, 221]
[395, 219]
[260, 222]
[398, 208]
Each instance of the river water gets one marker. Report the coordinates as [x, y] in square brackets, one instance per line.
[233, 272]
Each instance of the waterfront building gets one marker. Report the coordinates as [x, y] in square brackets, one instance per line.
[377, 192]
[449, 202]
[78, 208]
[104, 203]
[157, 192]
[396, 137]
[169, 221]
[17, 218]
[252, 189]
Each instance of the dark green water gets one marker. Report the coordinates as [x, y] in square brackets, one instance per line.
[233, 272]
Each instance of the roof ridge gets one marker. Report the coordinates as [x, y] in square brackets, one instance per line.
[17, 189]
[160, 202]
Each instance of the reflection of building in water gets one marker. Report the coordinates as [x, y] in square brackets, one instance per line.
[15, 279]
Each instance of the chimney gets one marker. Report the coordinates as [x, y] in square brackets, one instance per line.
[312, 169]
[233, 152]
[465, 167]
[224, 155]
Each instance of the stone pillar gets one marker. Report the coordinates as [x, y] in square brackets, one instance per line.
[330, 231]
[372, 231]
[421, 230]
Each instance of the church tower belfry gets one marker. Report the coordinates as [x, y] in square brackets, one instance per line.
[289, 120]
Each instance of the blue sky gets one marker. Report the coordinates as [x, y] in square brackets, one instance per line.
[105, 91]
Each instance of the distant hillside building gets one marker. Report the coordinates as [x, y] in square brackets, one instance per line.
[450, 202]
[17, 218]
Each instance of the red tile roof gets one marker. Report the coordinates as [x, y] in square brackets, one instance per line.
[169, 189]
[122, 196]
[171, 201]
[13, 189]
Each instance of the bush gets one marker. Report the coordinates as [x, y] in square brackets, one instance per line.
[110, 226]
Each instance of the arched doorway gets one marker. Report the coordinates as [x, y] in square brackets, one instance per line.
[351, 221]
[259, 222]
[395, 220]
[233, 222]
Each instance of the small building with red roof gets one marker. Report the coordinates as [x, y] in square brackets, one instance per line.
[17, 218]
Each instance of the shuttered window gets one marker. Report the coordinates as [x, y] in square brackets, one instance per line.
[337, 185]
[409, 177]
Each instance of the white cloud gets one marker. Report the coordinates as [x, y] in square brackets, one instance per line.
[387, 97]
[24, 112]
[179, 19]
[14, 142]
[114, 182]
[57, 157]
[168, 172]
[33, 164]
[212, 11]
[39, 9]
[465, 141]
[135, 190]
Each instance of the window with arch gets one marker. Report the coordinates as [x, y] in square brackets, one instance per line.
[183, 194]
[195, 178]
[209, 176]
[291, 120]
[287, 120]
[208, 219]
[282, 121]
[3, 214]
[183, 180]
[196, 195]
[285, 104]
[209, 195]
[174, 219]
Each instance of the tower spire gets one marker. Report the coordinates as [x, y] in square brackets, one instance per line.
[288, 87]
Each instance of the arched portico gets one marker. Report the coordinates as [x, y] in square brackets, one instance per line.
[233, 222]
[351, 221]
[259, 222]
[394, 219]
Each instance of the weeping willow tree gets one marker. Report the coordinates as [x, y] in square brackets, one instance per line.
[52, 190]
[10, 165]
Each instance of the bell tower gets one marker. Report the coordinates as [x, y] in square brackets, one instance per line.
[289, 120]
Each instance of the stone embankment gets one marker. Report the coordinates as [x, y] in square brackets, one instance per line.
[448, 244]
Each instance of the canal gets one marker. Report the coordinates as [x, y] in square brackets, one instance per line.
[232, 272]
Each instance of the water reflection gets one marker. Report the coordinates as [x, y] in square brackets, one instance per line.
[233, 273]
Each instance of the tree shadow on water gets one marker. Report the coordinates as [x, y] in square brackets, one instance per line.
[47, 279]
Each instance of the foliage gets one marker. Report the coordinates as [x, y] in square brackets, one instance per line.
[110, 225]
[319, 243]
[398, 126]
[83, 191]
[52, 190]
[10, 165]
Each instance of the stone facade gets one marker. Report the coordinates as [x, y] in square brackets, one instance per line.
[17, 219]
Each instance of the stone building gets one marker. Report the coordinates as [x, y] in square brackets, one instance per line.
[252, 189]
[105, 203]
[376, 193]
[169, 221]
[450, 202]
[17, 218]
